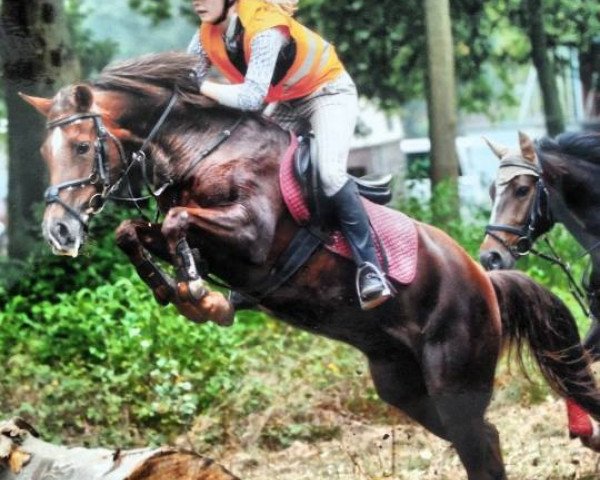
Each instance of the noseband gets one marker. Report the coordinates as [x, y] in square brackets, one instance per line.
[538, 219]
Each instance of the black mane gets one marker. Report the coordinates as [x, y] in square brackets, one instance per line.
[582, 145]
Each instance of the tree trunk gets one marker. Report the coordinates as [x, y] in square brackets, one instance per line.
[37, 60]
[555, 123]
[441, 106]
[589, 72]
[23, 456]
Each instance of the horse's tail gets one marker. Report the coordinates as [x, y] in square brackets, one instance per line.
[532, 314]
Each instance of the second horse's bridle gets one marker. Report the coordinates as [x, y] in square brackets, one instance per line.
[538, 222]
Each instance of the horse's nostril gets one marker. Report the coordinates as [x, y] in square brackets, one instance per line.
[491, 260]
[62, 233]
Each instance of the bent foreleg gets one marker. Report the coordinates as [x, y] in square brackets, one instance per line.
[136, 239]
[231, 225]
[139, 239]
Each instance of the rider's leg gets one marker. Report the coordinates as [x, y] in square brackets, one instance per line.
[331, 113]
[373, 288]
[333, 120]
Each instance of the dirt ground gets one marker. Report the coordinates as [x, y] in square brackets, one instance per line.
[534, 441]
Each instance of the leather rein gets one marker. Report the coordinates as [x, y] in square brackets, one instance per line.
[539, 216]
[100, 176]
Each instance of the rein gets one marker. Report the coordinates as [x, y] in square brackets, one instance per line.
[574, 288]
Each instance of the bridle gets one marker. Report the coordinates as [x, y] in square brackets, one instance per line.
[100, 176]
[538, 222]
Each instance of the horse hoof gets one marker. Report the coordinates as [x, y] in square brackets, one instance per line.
[197, 290]
[218, 308]
[191, 291]
[592, 441]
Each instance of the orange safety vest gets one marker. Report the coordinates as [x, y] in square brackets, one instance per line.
[315, 64]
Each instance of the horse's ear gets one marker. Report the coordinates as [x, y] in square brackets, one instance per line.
[42, 105]
[527, 148]
[499, 150]
[83, 98]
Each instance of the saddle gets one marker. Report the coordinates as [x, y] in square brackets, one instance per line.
[376, 188]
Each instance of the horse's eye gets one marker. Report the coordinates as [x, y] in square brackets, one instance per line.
[82, 148]
[521, 191]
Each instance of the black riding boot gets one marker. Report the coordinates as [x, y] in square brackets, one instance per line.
[371, 284]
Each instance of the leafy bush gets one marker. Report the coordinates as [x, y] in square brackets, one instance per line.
[108, 365]
[44, 276]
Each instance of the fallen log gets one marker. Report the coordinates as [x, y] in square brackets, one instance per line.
[24, 456]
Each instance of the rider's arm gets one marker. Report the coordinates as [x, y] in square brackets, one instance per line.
[195, 48]
[251, 94]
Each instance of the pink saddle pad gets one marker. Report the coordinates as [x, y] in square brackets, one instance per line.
[397, 233]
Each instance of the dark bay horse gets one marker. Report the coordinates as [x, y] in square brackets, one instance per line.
[538, 185]
[432, 349]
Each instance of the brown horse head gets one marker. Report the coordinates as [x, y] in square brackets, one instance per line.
[73, 151]
[94, 128]
[517, 213]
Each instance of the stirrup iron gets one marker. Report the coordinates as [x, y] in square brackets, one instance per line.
[385, 294]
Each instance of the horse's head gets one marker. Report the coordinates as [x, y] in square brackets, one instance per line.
[520, 210]
[78, 155]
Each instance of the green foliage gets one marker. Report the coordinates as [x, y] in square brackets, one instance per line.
[93, 54]
[109, 354]
[108, 365]
[44, 276]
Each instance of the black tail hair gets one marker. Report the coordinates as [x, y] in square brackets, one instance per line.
[533, 315]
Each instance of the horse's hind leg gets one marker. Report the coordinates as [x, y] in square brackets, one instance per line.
[399, 382]
[136, 238]
[476, 441]
[460, 385]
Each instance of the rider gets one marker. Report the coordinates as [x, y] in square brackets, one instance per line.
[271, 58]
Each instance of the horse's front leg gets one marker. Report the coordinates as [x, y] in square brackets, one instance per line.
[136, 238]
[230, 223]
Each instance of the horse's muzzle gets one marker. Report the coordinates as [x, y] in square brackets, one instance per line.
[65, 235]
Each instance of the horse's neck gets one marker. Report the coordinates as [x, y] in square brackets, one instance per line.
[575, 226]
[182, 145]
